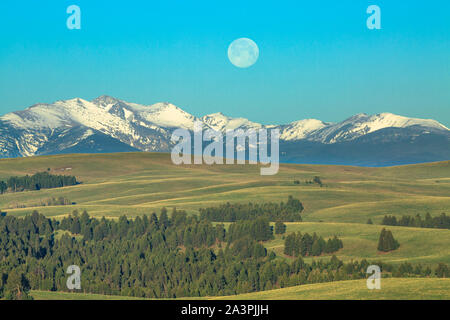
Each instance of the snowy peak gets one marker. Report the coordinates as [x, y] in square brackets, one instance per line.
[220, 122]
[168, 115]
[301, 129]
[391, 120]
[105, 100]
[73, 125]
[362, 124]
[39, 116]
[386, 119]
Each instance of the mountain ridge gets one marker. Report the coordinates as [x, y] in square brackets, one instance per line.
[112, 124]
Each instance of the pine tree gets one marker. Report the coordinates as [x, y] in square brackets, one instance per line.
[17, 286]
[386, 242]
[280, 227]
[164, 219]
[76, 227]
[442, 271]
[289, 244]
[316, 250]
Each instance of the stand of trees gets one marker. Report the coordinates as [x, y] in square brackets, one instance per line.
[151, 256]
[259, 230]
[387, 242]
[298, 244]
[289, 211]
[316, 180]
[53, 201]
[406, 269]
[280, 228]
[41, 180]
[439, 222]
[3, 187]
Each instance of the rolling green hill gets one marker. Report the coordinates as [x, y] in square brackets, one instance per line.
[391, 289]
[53, 295]
[138, 183]
[417, 245]
[134, 184]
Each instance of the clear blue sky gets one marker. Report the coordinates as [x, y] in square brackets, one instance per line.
[317, 58]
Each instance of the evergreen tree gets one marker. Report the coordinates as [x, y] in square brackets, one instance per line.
[76, 226]
[316, 249]
[133, 257]
[386, 241]
[280, 227]
[442, 271]
[17, 286]
[3, 187]
[164, 219]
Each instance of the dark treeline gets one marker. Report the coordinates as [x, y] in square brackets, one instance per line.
[298, 244]
[40, 180]
[406, 269]
[439, 222]
[280, 227]
[284, 211]
[150, 256]
[53, 201]
[259, 230]
[316, 180]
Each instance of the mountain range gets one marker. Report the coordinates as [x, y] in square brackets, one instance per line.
[107, 124]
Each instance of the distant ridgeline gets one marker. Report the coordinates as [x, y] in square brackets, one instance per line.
[289, 211]
[40, 180]
[438, 222]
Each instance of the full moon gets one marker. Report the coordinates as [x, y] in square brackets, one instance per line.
[243, 52]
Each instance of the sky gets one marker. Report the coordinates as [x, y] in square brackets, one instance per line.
[317, 59]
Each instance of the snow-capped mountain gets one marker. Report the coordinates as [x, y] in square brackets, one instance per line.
[146, 128]
[302, 129]
[362, 124]
[220, 122]
[107, 124]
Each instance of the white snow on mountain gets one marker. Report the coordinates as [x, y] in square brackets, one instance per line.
[38, 117]
[167, 115]
[220, 122]
[362, 124]
[301, 129]
[93, 116]
[148, 128]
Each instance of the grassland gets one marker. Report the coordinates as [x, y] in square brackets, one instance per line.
[391, 289]
[53, 295]
[418, 245]
[138, 183]
[134, 184]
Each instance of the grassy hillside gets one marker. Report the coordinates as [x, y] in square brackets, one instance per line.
[391, 289]
[52, 295]
[138, 183]
[141, 183]
[417, 245]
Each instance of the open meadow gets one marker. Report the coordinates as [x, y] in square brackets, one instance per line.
[135, 184]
